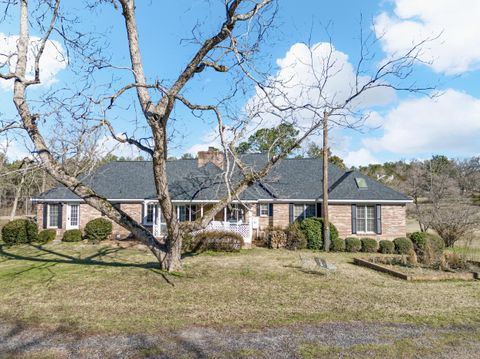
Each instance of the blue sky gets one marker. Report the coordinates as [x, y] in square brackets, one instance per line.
[408, 126]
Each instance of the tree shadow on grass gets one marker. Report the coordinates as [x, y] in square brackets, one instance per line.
[55, 257]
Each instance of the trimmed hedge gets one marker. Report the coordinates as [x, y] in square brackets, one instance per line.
[72, 235]
[369, 245]
[353, 244]
[295, 237]
[403, 245]
[47, 235]
[313, 229]
[386, 247]
[98, 229]
[337, 245]
[20, 231]
[220, 241]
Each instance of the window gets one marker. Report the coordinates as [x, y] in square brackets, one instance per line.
[235, 213]
[365, 218]
[182, 213]
[302, 211]
[74, 215]
[53, 211]
[152, 208]
[263, 210]
[361, 183]
[186, 213]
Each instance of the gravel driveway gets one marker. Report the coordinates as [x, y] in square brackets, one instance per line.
[197, 342]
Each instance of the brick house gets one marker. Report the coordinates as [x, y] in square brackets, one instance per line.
[359, 206]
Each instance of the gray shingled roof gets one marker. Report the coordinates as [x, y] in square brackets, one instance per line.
[290, 179]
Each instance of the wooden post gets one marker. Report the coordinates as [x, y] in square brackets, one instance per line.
[326, 222]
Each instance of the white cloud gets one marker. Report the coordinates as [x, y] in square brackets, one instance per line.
[449, 123]
[52, 61]
[297, 83]
[313, 77]
[455, 52]
[361, 157]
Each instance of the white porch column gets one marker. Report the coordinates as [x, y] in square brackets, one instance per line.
[250, 226]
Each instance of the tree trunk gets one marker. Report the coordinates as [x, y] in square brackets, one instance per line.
[326, 222]
[18, 192]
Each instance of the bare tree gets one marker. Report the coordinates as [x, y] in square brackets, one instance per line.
[230, 49]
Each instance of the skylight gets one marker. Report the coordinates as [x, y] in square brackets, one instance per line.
[361, 183]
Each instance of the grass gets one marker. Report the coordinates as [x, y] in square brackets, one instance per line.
[430, 346]
[96, 288]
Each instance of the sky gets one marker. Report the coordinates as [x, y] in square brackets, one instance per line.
[399, 126]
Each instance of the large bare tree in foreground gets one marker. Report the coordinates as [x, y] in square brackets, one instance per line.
[232, 48]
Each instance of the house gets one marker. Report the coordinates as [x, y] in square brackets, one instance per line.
[358, 205]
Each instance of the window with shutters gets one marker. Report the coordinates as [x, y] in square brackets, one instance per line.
[302, 211]
[365, 219]
[264, 210]
[53, 212]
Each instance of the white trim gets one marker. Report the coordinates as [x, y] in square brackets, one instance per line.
[141, 200]
[67, 200]
[366, 206]
[352, 201]
[392, 201]
[260, 209]
[68, 213]
[60, 208]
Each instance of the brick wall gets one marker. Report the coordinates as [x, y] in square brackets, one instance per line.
[393, 221]
[87, 213]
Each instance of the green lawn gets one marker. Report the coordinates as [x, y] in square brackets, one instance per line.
[95, 288]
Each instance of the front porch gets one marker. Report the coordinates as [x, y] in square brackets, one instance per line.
[237, 217]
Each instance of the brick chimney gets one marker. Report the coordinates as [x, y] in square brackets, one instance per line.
[212, 155]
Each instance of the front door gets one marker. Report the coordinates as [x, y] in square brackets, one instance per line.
[73, 216]
[159, 225]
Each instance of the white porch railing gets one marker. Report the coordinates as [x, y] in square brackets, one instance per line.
[244, 229]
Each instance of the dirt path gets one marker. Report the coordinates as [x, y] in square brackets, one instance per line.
[325, 340]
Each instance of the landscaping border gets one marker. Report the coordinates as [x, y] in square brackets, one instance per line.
[444, 276]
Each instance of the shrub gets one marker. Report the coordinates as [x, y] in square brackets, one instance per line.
[220, 241]
[20, 231]
[369, 245]
[47, 235]
[437, 242]
[403, 245]
[353, 244]
[72, 235]
[337, 245]
[428, 247]
[276, 237]
[295, 237]
[419, 240]
[98, 229]
[387, 247]
[313, 230]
